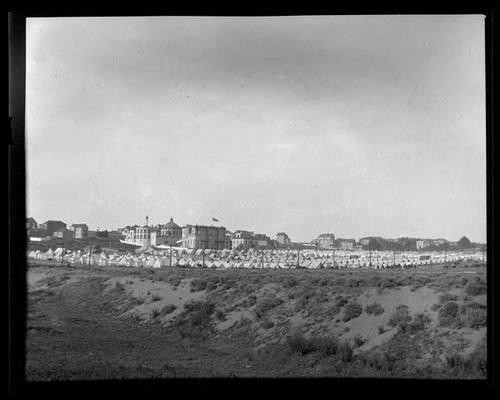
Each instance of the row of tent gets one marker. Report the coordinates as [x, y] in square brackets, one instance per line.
[159, 260]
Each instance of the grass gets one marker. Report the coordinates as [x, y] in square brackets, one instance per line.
[93, 342]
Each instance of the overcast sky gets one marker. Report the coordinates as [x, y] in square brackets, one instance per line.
[354, 125]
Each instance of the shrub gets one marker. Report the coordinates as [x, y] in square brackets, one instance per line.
[352, 310]
[211, 286]
[374, 308]
[345, 351]
[475, 288]
[400, 318]
[443, 298]
[473, 315]
[358, 340]
[418, 323]
[290, 282]
[175, 280]
[155, 313]
[267, 324]
[265, 305]
[155, 297]
[219, 315]
[298, 343]
[136, 317]
[195, 321]
[436, 306]
[168, 309]
[198, 285]
[324, 346]
[301, 303]
[448, 314]
[381, 329]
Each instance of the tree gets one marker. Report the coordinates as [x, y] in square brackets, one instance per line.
[464, 243]
[374, 244]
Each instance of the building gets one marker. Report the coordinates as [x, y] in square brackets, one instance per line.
[244, 240]
[80, 231]
[205, 237]
[51, 226]
[169, 234]
[31, 223]
[263, 240]
[63, 233]
[283, 238]
[422, 243]
[347, 244]
[325, 241]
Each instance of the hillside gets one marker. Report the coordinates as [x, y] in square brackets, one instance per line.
[104, 323]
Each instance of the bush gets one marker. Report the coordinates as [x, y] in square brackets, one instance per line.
[418, 323]
[358, 340]
[175, 280]
[265, 305]
[198, 285]
[443, 298]
[352, 310]
[155, 297]
[473, 315]
[381, 329]
[322, 345]
[211, 286]
[219, 315]
[436, 306]
[345, 351]
[290, 282]
[168, 309]
[155, 313]
[448, 314]
[267, 324]
[374, 308]
[401, 317]
[475, 288]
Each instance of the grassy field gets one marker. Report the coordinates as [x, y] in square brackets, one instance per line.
[113, 323]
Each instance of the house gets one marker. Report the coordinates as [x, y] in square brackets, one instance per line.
[63, 233]
[168, 234]
[283, 238]
[263, 240]
[422, 243]
[325, 241]
[244, 239]
[51, 226]
[80, 231]
[347, 244]
[31, 223]
[205, 237]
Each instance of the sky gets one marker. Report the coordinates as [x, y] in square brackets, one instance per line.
[352, 125]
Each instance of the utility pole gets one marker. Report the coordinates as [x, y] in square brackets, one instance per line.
[170, 254]
[393, 258]
[90, 253]
[203, 265]
[370, 258]
[62, 254]
[298, 257]
[333, 257]
[262, 258]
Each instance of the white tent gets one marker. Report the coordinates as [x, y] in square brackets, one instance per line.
[49, 255]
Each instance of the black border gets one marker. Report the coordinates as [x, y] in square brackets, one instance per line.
[18, 387]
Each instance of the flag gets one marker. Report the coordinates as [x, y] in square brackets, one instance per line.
[216, 220]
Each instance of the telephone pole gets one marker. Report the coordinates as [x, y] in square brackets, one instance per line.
[90, 253]
[298, 257]
[62, 254]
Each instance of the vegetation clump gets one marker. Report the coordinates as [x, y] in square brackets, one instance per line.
[352, 310]
[265, 305]
[374, 308]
